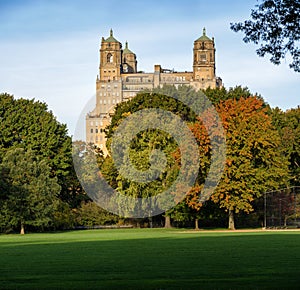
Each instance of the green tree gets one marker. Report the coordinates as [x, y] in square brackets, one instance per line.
[275, 24]
[28, 124]
[143, 145]
[87, 159]
[254, 161]
[90, 214]
[288, 125]
[32, 196]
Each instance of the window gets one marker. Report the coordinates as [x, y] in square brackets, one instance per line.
[92, 123]
[202, 57]
[110, 57]
[91, 130]
[96, 130]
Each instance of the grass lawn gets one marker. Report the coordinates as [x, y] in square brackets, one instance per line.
[151, 259]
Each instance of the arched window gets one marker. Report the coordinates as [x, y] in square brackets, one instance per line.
[110, 58]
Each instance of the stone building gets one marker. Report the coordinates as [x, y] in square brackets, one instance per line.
[119, 80]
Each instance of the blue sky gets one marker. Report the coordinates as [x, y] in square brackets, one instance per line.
[49, 50]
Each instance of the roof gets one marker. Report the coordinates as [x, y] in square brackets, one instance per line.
[111, 37]
[204, 37]
[126, 49]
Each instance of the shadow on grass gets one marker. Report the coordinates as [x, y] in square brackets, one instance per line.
[169, 261]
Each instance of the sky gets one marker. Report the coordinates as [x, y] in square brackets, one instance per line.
[49, 50]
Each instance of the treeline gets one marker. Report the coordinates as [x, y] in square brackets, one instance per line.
[39, 188]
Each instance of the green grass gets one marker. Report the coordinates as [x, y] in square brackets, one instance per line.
[150, 259]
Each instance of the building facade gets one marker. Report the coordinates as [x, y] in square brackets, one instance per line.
[119, 80]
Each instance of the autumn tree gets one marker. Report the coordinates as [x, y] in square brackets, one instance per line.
[254, 163]
[275, 25]
[193, 198]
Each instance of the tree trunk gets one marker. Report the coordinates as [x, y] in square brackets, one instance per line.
[22, 231]
[168, 222]
[138, 224]
[231, 220]
[196, 224]
[285, 220]
[150, 222]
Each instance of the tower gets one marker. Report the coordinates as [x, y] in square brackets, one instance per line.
[204, 59]
[129, 63]
[110, 58]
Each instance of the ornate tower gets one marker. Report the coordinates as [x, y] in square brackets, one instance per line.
[129, 64]
[204, 59]
[110, 58]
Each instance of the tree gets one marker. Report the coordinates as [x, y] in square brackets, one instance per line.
[222, 94]
[254, 161]
[28, 124]
[141, 148]
[288, 126]
[275, 25]
[32, 196]
[192, 199]
[90, 214]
